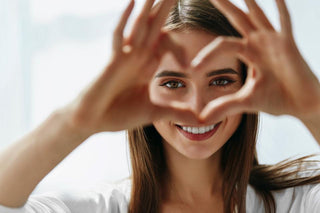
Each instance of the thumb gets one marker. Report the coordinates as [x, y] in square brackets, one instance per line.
[224, 106]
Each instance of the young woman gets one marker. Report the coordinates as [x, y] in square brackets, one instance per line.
[189, 93]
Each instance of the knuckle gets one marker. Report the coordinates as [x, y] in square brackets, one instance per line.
[150, 20]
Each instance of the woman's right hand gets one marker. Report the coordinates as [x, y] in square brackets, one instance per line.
[119, 98]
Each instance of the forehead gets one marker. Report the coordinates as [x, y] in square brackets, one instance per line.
[192, 42]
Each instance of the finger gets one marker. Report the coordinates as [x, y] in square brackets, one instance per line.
[219, 48]
[168, 45]
[178, 112]
[149, 70]
[224, 106]
[159, 20]
[257, 16]
[285, 20]
[140, 26]
[155, 9]
[237, 17]
[118, 32]
[147, 8]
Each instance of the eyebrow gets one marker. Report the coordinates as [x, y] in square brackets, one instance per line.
[167, 73]
[222, 71]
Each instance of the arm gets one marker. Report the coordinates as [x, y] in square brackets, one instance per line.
[25, 163]
[112, 102]
[313, 124]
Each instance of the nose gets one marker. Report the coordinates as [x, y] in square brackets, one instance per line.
[197, 101]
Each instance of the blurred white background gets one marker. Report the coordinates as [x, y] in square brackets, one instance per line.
[50, 50]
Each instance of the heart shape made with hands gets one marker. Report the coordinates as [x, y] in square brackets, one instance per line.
[275, 67]
[278, 80]
[208, 104]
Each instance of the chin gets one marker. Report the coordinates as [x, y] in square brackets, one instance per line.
[199, 153]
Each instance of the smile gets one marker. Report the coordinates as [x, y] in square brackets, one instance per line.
[198, 133]
[198, 130]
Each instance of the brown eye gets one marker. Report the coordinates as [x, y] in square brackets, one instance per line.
[221, 82]
[173, 84]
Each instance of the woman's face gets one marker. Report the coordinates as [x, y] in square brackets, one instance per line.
[196, 89]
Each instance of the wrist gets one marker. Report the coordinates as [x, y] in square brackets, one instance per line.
[67, 127]
[312, 122]
[312, 112]
[312, 119]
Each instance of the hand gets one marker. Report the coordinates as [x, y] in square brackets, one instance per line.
[119, 99]
[279, 80]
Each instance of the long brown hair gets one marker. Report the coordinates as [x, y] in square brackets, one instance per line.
[239, 157]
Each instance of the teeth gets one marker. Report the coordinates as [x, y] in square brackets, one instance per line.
[195, 130]
[198, 130]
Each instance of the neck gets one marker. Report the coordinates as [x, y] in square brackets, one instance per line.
[191, 179]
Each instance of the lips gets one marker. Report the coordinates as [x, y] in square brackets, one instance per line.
[198, 133]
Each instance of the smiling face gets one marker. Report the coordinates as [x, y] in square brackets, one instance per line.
[171, 83]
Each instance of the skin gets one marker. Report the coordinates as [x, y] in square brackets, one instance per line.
[117, 99]
[195, 90]
[279, 82]
[194, 174]
[273, 86]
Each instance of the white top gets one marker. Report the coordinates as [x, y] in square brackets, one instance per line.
[114, 198]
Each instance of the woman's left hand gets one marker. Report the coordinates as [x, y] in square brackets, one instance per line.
[279, 81]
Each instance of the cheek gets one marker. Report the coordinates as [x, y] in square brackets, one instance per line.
[231, 124]
[167, 132]
[160, 126]
[164, 128]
